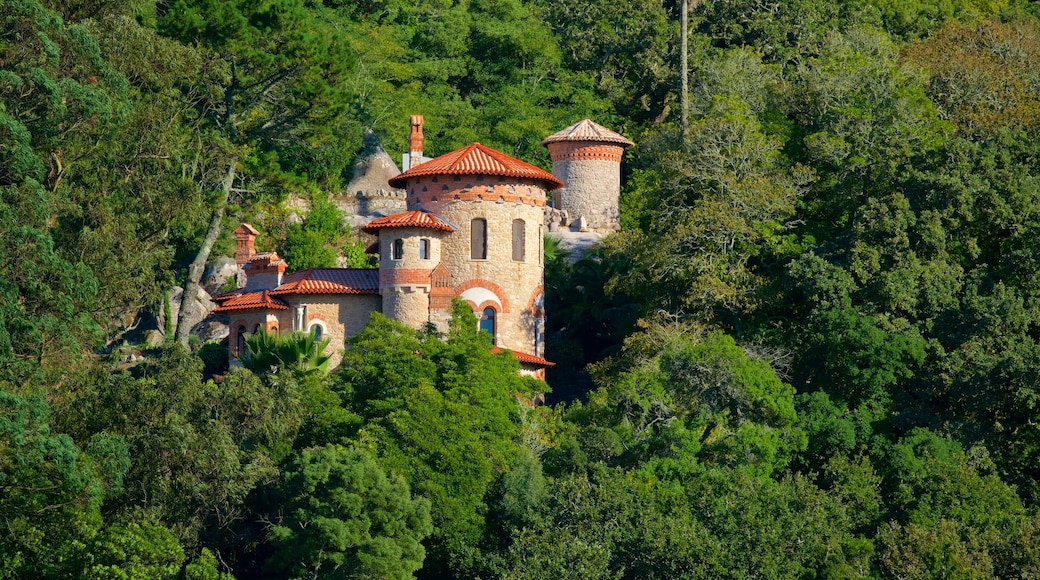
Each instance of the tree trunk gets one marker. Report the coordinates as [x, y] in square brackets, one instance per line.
[684, 71]
[198, 265]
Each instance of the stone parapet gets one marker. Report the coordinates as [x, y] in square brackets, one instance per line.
[585, 150]
[429, 192]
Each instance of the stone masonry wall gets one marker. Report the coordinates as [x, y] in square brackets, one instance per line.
[592, 183]
[405, 283]
[340, 315]
[509, 286]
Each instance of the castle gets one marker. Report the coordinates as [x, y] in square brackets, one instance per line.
[472, 229]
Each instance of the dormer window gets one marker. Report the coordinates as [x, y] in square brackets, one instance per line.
[397, 250]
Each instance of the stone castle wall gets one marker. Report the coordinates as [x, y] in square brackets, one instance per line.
[591, 173]
[405, 282]
[511, 287]
[340, 316]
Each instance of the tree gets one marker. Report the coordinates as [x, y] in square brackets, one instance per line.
[346, 518]
[277, 68]
[442, 413]
[298, 352]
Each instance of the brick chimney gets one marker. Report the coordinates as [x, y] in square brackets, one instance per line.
[264, 272]
[245, 234]
[415, 141]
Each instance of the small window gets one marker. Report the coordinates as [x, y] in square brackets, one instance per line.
[257, 328]
[241, 341]
[424, 249]
[316, 331]
[519, 240]
[398, 249]
[541, 245]
[478, 239]
[487, 322]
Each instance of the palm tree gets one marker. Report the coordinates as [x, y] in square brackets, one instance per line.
[297, 352]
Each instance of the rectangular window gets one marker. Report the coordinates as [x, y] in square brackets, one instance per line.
[478, 239]
[424, 249]
[519, 240]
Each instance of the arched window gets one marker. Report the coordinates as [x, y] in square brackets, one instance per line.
[316, 331]
[398, 249]
[241, 340]
[478, 239]
[257, 328]
[519, 240]
[487, 322]
[424, 249]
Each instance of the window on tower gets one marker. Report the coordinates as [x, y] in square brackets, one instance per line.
[424, 249]
[478, 239]
[519, 240]
[398, 249]
[487, 322]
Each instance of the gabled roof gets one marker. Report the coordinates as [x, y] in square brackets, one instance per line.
[408, 219]
[261, 300]
[477, 159]
[587, 130]
[525, 358]
[329, 281]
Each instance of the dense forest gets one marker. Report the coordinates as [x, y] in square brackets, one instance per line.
[812, 351]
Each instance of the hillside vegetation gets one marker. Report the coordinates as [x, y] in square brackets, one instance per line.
[813, 351]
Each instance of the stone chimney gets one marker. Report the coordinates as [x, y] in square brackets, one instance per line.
[245, 234]
[264, 272]
[415, 141]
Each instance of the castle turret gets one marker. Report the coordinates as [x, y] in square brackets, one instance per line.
[409, 251]
[587, 158]
[494, 259]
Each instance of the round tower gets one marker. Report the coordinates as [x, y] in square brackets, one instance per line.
[587, 158]
[410, 248]
[493, 259]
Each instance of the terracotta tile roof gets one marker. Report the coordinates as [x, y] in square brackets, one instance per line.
[246, 229]
[525, 358]
[586, 130]
[261, 300]
[330, 281]
[477, 159]
[408, 219]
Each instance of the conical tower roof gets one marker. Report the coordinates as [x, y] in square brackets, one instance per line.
[477, 159]
[587, 130]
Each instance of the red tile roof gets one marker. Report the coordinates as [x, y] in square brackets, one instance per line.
[525, 358]
[477, 159]
[261, 300]
[587, 130]
[408, 219]
[330, 281]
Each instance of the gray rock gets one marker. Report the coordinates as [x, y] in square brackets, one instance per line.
[219, 272]
[210, 329]
[153, 338]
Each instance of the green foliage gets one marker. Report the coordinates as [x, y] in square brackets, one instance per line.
[299, 353]
[853, 209]
[50, 494]
[443, 414]
[695, 396]
[316, 242]
[198, 448]
[345, 517]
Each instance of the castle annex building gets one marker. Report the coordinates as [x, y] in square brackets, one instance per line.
[472, 230]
